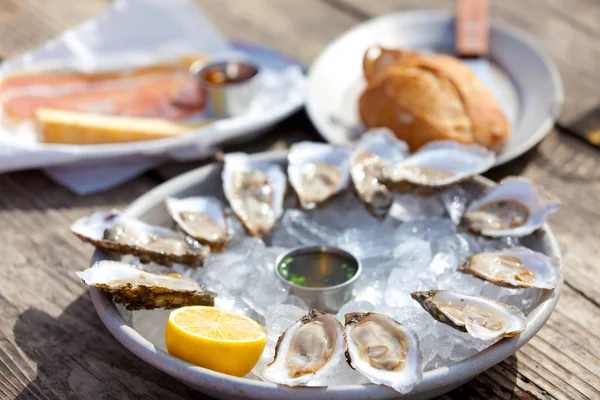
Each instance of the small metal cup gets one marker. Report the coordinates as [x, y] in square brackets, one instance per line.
[329, 299]
[230, 98]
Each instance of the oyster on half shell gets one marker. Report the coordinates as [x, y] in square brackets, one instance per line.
[309, 349]
[516, 207]
[255, 191]
[517, 267]
[441, 163]
[376, 150]
[317, 171]
[116, 233]
[141, 290]
[202, 218]
[383, 350]
[481, 317]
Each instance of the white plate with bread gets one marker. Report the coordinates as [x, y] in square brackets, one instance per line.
[399, 71]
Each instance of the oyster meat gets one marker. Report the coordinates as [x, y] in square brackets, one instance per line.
[116, 233]
[482, 318]
[309, 349]
[441, 163]
[255, 191]
[141, 290]
[202, 218]
[376, 150]
[517, 267]
[516, 207]
[383, 350]
[317, 171]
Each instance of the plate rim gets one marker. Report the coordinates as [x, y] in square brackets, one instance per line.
[545, 125]
[217, 383]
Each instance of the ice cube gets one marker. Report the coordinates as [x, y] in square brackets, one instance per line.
[341, 375]
[455, 201]
[366, 243]
[401, 283]
[151, 325]
[412, 253]
[354, 306]
[459, 282]
[279, 317]
[410, 207]
[371, 284]
[442, 262]
[306, 230]
[296, 301]
[428, 229]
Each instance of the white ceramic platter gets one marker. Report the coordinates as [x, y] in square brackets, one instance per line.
[207, 180]
[522, 79]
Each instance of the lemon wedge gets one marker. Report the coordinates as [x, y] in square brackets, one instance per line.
[67, 127]
[215, 339]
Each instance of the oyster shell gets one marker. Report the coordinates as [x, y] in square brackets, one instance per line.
[255, 191]
[441, 163]
[140, 290]
[376, 150]
[311, 348]
[317, 171]
[516, 207]
[383, 350]
[202, 218]
[116, 233]
[481, 317]
[517, 267]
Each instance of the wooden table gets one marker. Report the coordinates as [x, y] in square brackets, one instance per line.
[52, 344]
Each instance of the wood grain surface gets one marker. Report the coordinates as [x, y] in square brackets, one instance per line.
[52, 344]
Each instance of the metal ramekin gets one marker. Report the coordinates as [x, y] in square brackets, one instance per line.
[329, 299]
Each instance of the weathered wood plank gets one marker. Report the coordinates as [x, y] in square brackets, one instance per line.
[27, 24]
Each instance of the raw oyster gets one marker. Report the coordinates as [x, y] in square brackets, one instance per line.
[376, 150]
[518, 267]
[310, 349]
[317, 171]
[137, 289]
[383, 350]
[255, 190]
[482, 318]
[441, 163]
[516, 207]
[116, 233]
[202, 218]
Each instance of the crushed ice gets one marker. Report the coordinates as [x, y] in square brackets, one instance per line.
[417, 247]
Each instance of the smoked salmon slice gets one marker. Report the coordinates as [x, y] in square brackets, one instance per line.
[159, 91]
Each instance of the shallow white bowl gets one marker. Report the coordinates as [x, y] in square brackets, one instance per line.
[207, 180]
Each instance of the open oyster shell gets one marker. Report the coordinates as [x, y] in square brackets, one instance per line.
[116, 233]
[202, 218]
[140, 290]
[309, 349]
[317, 172]
[518, 267]
[516, 207]
[383, 350]
[441, 163]
[482, 318]
[255, 191]
[376, 150]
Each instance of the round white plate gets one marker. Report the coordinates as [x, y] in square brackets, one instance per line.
[207, 180]
[524, 81]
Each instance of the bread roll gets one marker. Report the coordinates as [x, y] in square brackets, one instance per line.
[425, 98]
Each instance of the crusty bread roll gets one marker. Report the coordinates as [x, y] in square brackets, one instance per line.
[424, 98]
